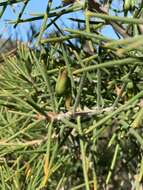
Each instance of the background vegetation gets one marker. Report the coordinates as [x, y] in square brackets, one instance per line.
[71, 102]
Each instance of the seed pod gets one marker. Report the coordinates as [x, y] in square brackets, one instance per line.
[62, 82]
[127, 5]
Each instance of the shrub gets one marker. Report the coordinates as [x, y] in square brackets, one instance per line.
[71, 110]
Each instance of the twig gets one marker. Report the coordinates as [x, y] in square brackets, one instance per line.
[70, 115]
[93, 4]
[27, 143]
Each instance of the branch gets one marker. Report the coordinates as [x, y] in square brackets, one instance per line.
[93, 5]
[70, 115]
[26, 143]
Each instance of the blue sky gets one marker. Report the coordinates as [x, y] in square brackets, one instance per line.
[34, 6]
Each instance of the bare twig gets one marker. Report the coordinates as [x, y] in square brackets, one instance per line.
[70, 115]
[26, 143]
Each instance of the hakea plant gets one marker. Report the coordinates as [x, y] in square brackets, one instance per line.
[71, 110]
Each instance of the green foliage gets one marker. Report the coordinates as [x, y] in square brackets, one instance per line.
[96, 141]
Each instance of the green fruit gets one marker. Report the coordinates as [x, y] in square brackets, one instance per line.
[62, 82]
[127, 5]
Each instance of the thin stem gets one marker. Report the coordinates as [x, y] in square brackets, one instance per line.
[116, 18]
[83, 155]
[112, 114]
[111, 64]
[134, 133]
[43, 27]
[113, 163]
